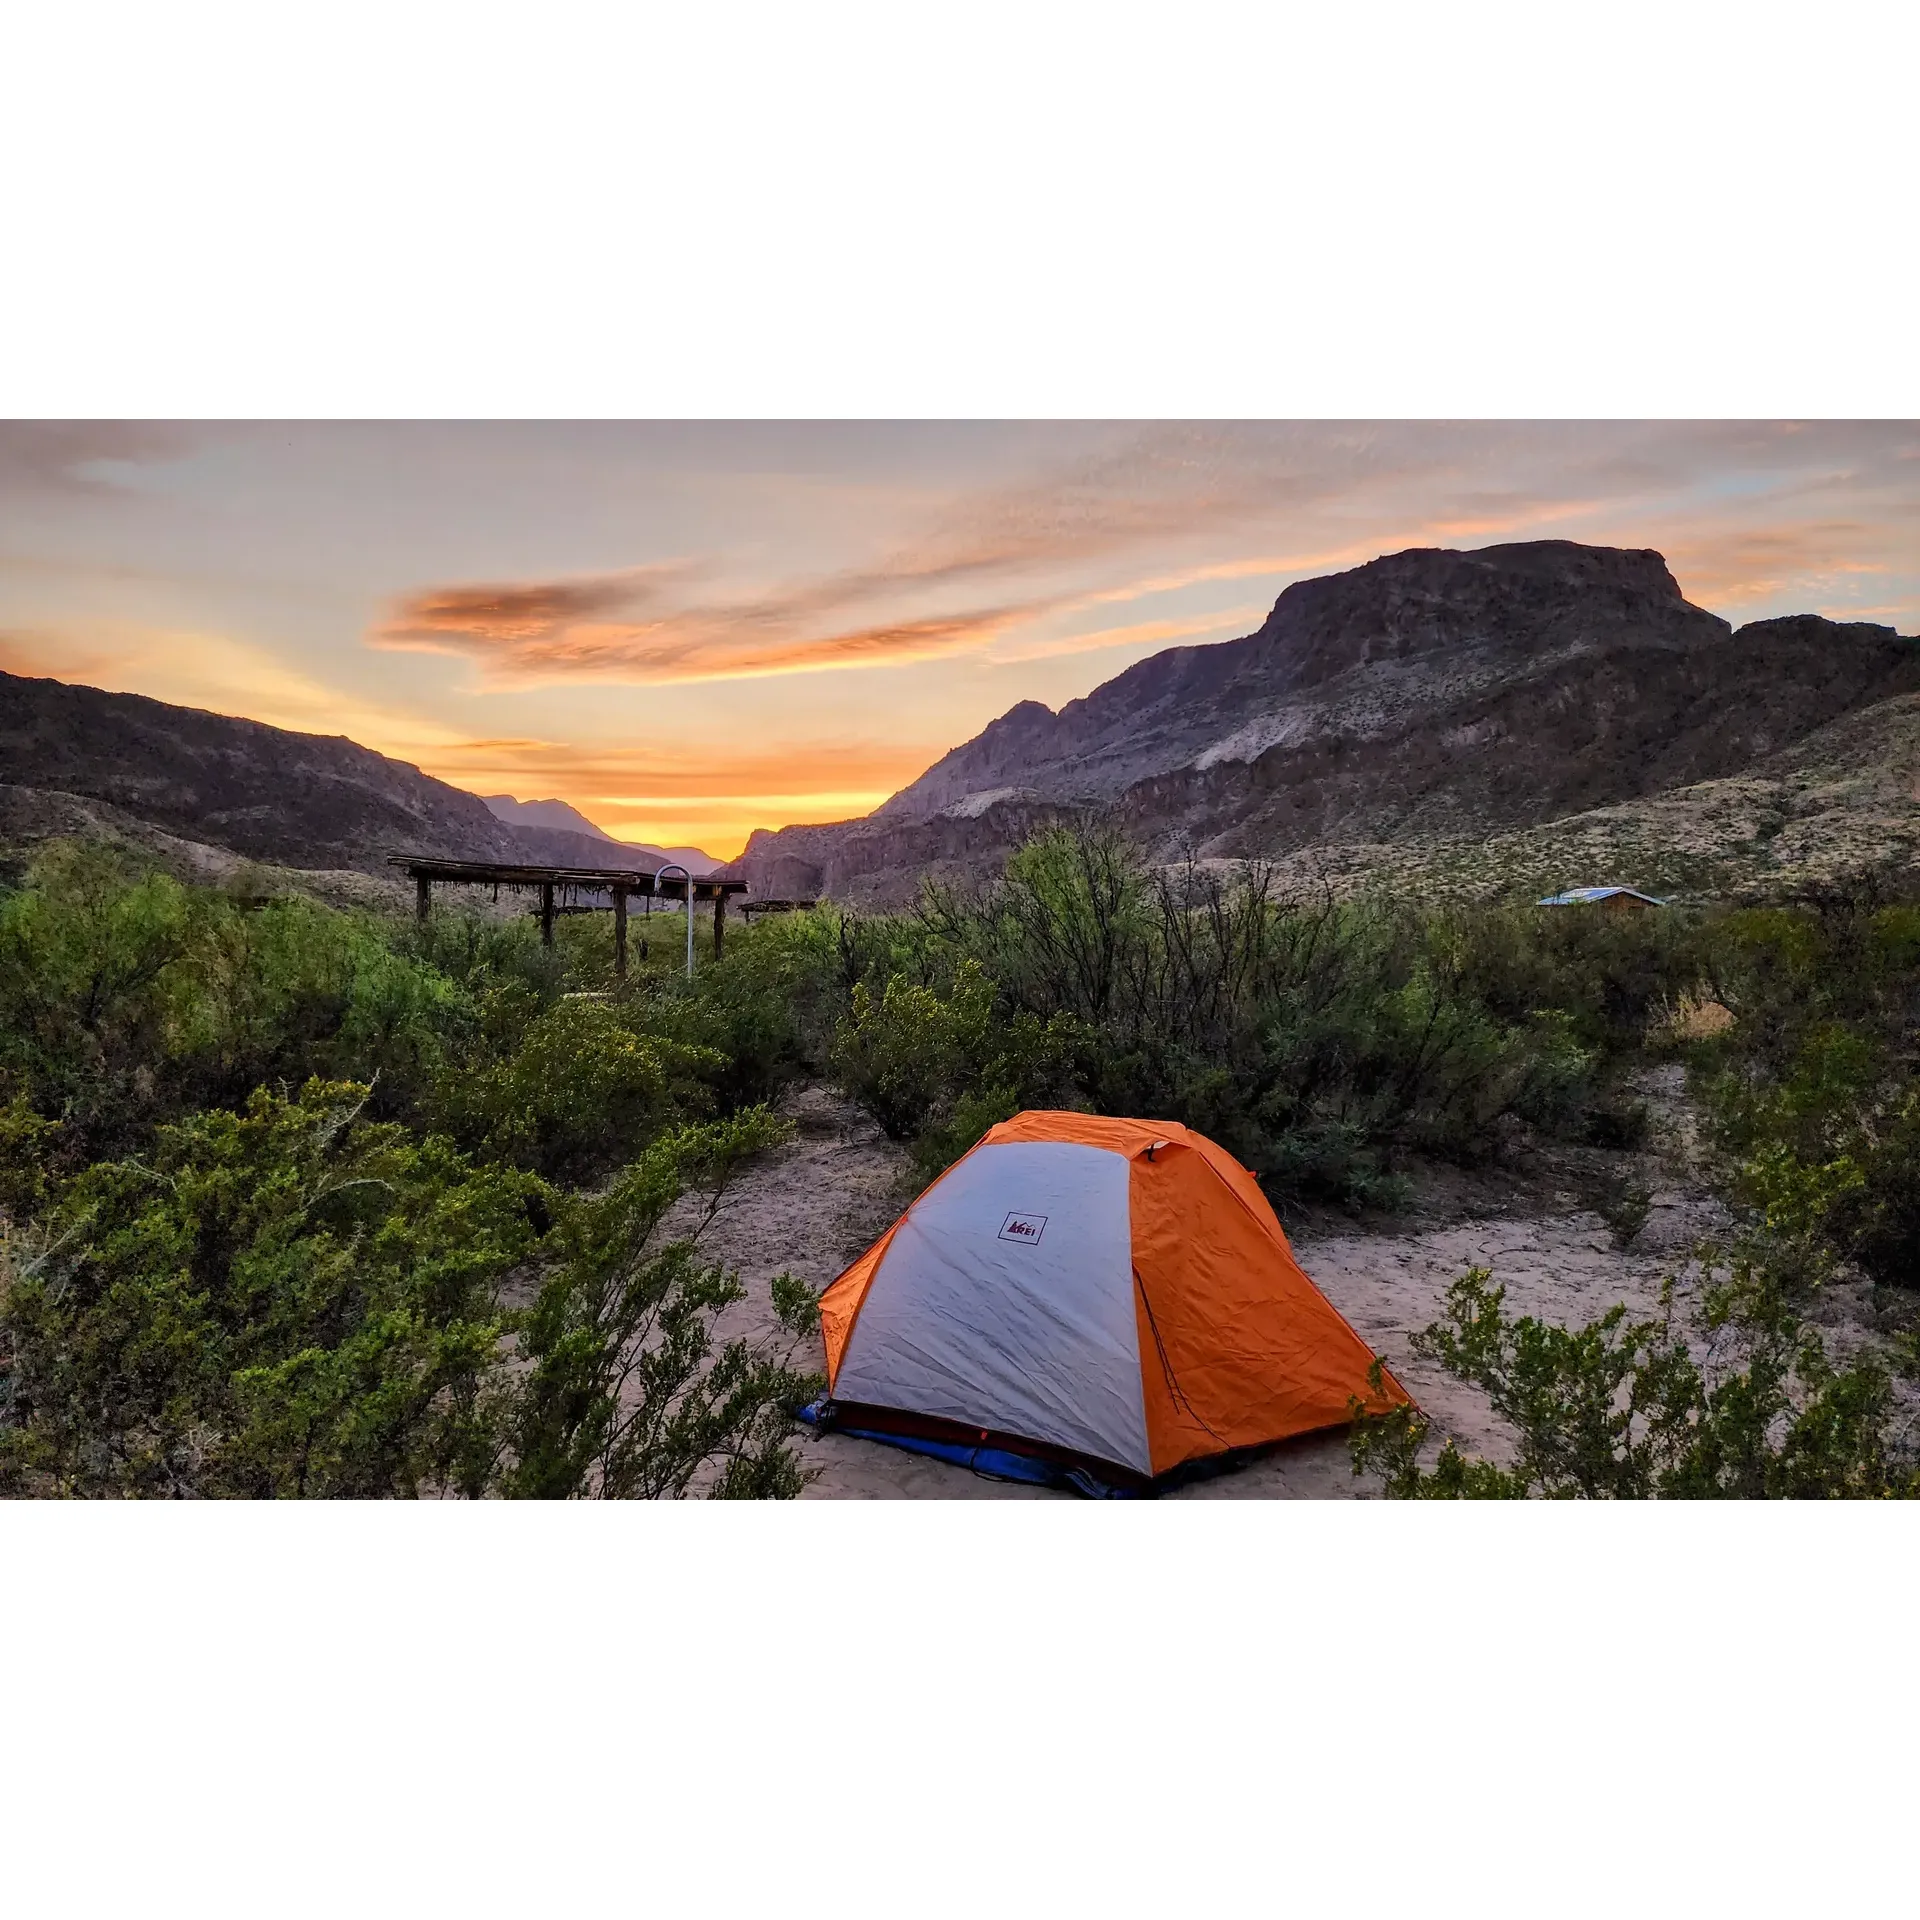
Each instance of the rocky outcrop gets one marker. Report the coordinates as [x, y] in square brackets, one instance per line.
[1430, 692]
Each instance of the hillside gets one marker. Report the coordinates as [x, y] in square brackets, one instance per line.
[136, 768]
[541, 813]
[1429, 697]
[556, 816]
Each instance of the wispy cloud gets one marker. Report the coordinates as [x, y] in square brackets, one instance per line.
[559, 629]
[1161, 484]
[1032, 546]
[1736, 567]
[67, 456]
[1228, 622]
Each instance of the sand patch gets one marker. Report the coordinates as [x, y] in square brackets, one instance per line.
[812, 1207]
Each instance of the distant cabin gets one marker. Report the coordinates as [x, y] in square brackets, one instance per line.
[1614, 899]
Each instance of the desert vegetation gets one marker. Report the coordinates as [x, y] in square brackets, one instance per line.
[299, 1200]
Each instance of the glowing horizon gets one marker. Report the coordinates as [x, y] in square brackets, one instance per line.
[687, 631]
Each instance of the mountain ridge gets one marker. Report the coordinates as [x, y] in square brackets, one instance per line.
[1432, 699]
[1433, 691]
[302, 801]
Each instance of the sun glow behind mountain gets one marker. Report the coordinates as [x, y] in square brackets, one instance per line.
[687, 631]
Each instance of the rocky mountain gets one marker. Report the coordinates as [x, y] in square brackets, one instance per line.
[240, 787]
[556, 816]
[1431, 696]
[541, 813]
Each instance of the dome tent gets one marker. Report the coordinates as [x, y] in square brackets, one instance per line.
[1088, 1301]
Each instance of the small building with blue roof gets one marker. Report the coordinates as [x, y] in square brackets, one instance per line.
[1613, 897]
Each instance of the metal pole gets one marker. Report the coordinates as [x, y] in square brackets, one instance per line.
[673, 866]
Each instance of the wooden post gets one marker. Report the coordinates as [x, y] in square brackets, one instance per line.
[620, 932]
[719, 919]
[422, 894]
[546, 913]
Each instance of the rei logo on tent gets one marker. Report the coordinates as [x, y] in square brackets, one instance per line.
[1027, 1227]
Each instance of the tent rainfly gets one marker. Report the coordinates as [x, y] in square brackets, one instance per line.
[1088, 1302]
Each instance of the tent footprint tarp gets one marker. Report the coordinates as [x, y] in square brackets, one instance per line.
[1080, 1296]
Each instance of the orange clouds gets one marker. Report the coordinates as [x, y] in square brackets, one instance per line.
[508, 616]
[1030, 541]
[560, 629]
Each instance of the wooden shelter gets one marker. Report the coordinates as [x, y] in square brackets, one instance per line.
[560, 888]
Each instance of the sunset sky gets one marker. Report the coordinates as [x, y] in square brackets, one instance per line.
[690, 630]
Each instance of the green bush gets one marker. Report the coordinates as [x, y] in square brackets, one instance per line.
[300, 1301]
[1317, 1040]
[292, 1300]
[940, 1069]
[1811, 1089]
[768, 1009]
[578, 1092]
[128, 1000]
[623, 1394]
[1626, 1409]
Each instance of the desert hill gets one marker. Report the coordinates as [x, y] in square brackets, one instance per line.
[549, 816]
[139, 768]
[1429, 699]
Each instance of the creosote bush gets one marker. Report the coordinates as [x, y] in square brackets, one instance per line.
[1318, 1040]
[1812, 1085]
[288, 1203]
[1751, 1407]
[940, 1069]
[298, 1300]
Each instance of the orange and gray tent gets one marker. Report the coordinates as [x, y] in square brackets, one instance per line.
[1096, 1302]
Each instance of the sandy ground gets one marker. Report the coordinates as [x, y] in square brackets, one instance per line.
[813, 1206]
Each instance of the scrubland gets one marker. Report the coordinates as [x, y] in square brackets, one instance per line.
[312, 1199]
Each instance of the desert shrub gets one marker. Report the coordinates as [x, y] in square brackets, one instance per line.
[941, 1068]
[1627, 1409]
[300, 1301]
[1811, 1087]
[213, 1285]
[479, 951]
[128, 999]
[90, 973]
[1608, 974]
[298, 989]
[624, 1395]
[1315, 1039]
[768, 1009]
[291, 1300]
[1829, 1155]
[26, 1147]
[574, 1091]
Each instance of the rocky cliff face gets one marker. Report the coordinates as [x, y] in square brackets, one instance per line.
[1430, 692]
